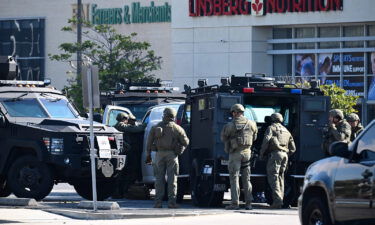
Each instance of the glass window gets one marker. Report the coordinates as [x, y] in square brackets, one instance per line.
[329, 32]
[257, 114]
[157, 112]
[112, 116]
[305, 32]
[138, 110]
[282, 65]
[283, 46]
[371, 32]
[323, 45]
[58, 108]
[282, 33]
[367, 142]
[24, 108]
[353, 31]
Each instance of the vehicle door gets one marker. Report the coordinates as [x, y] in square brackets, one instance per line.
[354, 180]
[111, 112]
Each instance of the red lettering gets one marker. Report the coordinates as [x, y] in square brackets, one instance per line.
[191, 8]
[281, 8]
[217, 7]
[322, 7]
[244, 7]
[209, 7]
[234, 7]
[310, 6]
[201, 8]
[271, 6]
[225, 9]
[297, 5]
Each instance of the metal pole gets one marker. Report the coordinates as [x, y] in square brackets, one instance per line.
[79, 37]
[92, 149]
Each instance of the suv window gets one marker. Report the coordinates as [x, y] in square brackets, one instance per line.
[25, 108]
[112, 116]
[366, 145]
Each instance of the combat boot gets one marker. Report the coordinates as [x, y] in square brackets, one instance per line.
[248, 206]
[158, 205]
[232, 207]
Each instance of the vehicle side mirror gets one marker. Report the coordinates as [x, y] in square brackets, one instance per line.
[340, 149]
[3, 121]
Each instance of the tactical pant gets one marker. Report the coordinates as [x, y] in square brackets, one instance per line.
[236, 160]
[276, 166]
[165, 162]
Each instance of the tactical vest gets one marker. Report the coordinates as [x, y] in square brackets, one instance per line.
[282, 137]
[243, 135]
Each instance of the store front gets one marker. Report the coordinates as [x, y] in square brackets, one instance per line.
[293, 40]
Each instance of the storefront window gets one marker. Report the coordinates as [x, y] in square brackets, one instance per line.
[353, 31]
[282, 33]
[305, 65]
[371, 76]
[329, 31]
[305, 32]
[282, 65]
[371, 32]
[24, 39]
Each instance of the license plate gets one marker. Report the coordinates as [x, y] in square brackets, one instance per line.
[104, 147]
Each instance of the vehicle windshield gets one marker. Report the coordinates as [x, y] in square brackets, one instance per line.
[58, 108]
[258, 113]
[157, 113]
[138, 110]
[31, 107]
[27, 107]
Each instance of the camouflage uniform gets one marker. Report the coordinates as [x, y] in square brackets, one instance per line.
[167, 138]
[277, 144]
[339, 132]
[238, 136]
[358, 128]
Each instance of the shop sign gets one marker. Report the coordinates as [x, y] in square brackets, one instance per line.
[259, 7]
[135, 13]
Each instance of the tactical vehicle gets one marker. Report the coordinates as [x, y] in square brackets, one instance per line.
[138, 97]
[340, 189]
[305, 113]
[45, 141]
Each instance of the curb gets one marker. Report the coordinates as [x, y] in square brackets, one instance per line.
[18, 202]
[100, 205]
[90, 215]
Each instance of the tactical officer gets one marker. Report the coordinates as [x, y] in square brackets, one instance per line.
[355, 123]
[132, 135]
[338, 130]
[277, 144]
[238, 137]
[168, 140]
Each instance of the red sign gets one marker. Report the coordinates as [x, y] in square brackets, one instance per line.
[259, 7]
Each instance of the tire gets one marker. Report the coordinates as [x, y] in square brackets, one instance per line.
[316, 212]
[202, 190]
[104, 188]
[30, 178]
[4, 190]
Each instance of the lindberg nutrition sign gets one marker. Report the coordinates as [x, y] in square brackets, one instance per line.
[198, 8]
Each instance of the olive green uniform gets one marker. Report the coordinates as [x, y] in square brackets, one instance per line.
[166, 138]
[340, 132]
[277, 144]
[238, 136]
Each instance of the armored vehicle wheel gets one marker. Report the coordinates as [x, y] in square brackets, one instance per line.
[4, 190]
[104, 188]
[202, 190]
[30, 178]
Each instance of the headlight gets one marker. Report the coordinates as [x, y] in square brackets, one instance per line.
[57, 145]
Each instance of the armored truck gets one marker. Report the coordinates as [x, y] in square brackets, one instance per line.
[45, 141]
[305, 112]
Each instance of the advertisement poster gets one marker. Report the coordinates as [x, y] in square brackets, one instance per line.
[353, 64]
[371, 79]
[305, 65]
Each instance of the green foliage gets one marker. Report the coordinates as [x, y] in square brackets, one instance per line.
[118, 56]
[339, 100]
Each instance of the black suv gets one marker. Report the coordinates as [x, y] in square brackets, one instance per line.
[341, 189]
[44, 141]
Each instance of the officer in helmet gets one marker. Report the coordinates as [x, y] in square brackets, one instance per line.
[277, 145]
[238, 137]
[169, 140]
[355, 123]
[338, 130]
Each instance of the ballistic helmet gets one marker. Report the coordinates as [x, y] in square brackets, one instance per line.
[121, 116]
[169, 112]
[277, 117]
[336, 113]
[237, 108]
[352, 117]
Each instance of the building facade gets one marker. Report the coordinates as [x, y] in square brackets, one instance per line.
[31, 30]
[295, 40]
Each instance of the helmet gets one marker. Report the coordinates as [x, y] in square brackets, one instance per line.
[277, 117]
[122, 116]
[336, 113]
[237, 108]
[132, 117]
[352, 117]
[169, 112]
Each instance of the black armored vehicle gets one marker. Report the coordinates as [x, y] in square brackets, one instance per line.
[305, 113]
[44, 141]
